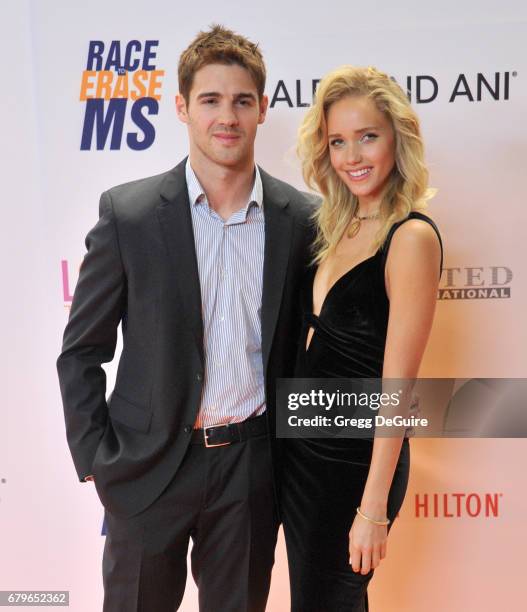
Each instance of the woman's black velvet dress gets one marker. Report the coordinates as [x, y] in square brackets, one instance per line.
[324, 479]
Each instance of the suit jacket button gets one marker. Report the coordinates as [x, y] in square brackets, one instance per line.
[199, 376]
[188, 428]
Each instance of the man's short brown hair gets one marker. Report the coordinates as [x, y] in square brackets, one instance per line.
[220, 46]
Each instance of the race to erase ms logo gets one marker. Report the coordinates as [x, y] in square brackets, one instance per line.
[121, 86]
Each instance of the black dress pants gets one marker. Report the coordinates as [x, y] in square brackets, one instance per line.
[221, 498]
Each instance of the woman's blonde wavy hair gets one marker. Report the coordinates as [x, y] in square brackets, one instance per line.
[407, 189]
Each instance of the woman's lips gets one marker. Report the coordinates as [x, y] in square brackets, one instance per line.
[359, 175]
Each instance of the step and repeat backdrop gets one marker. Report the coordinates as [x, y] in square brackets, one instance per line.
[88, 102]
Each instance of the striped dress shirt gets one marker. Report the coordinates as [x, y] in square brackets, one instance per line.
[230, 256]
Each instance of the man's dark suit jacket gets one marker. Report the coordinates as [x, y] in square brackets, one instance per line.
[141, 269]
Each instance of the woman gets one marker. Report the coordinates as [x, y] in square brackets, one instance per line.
[368, 309]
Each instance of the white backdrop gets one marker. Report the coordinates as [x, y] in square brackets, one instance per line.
[477, 152]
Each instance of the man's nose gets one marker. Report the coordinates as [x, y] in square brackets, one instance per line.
[228, 115]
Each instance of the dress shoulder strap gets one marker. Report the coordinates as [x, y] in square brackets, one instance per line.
[413, 215]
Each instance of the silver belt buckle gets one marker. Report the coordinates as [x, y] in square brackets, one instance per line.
[207, 443]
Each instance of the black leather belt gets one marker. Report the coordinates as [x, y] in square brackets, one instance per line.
[223, 435]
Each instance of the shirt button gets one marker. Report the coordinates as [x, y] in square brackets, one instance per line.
[199, 376]
[188, 428]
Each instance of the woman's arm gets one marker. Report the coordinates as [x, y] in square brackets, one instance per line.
[412, 277]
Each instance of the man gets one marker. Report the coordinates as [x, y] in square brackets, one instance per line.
[201, 265]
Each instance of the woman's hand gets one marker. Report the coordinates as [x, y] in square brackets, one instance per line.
[367, 545]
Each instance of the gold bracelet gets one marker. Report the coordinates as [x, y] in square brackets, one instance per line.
[367, 518]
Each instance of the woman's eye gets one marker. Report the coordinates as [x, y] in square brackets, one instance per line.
[336, 142]
[368, 137]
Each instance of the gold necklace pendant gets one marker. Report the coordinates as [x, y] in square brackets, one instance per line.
[354, 227]
[356, 221]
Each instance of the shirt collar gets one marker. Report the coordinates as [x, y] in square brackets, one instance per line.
[196, 193]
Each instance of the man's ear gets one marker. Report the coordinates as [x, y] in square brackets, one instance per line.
[181, 108]
[264, 103]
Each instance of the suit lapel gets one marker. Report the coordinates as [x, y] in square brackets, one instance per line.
[278, 226]
[176, 226]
